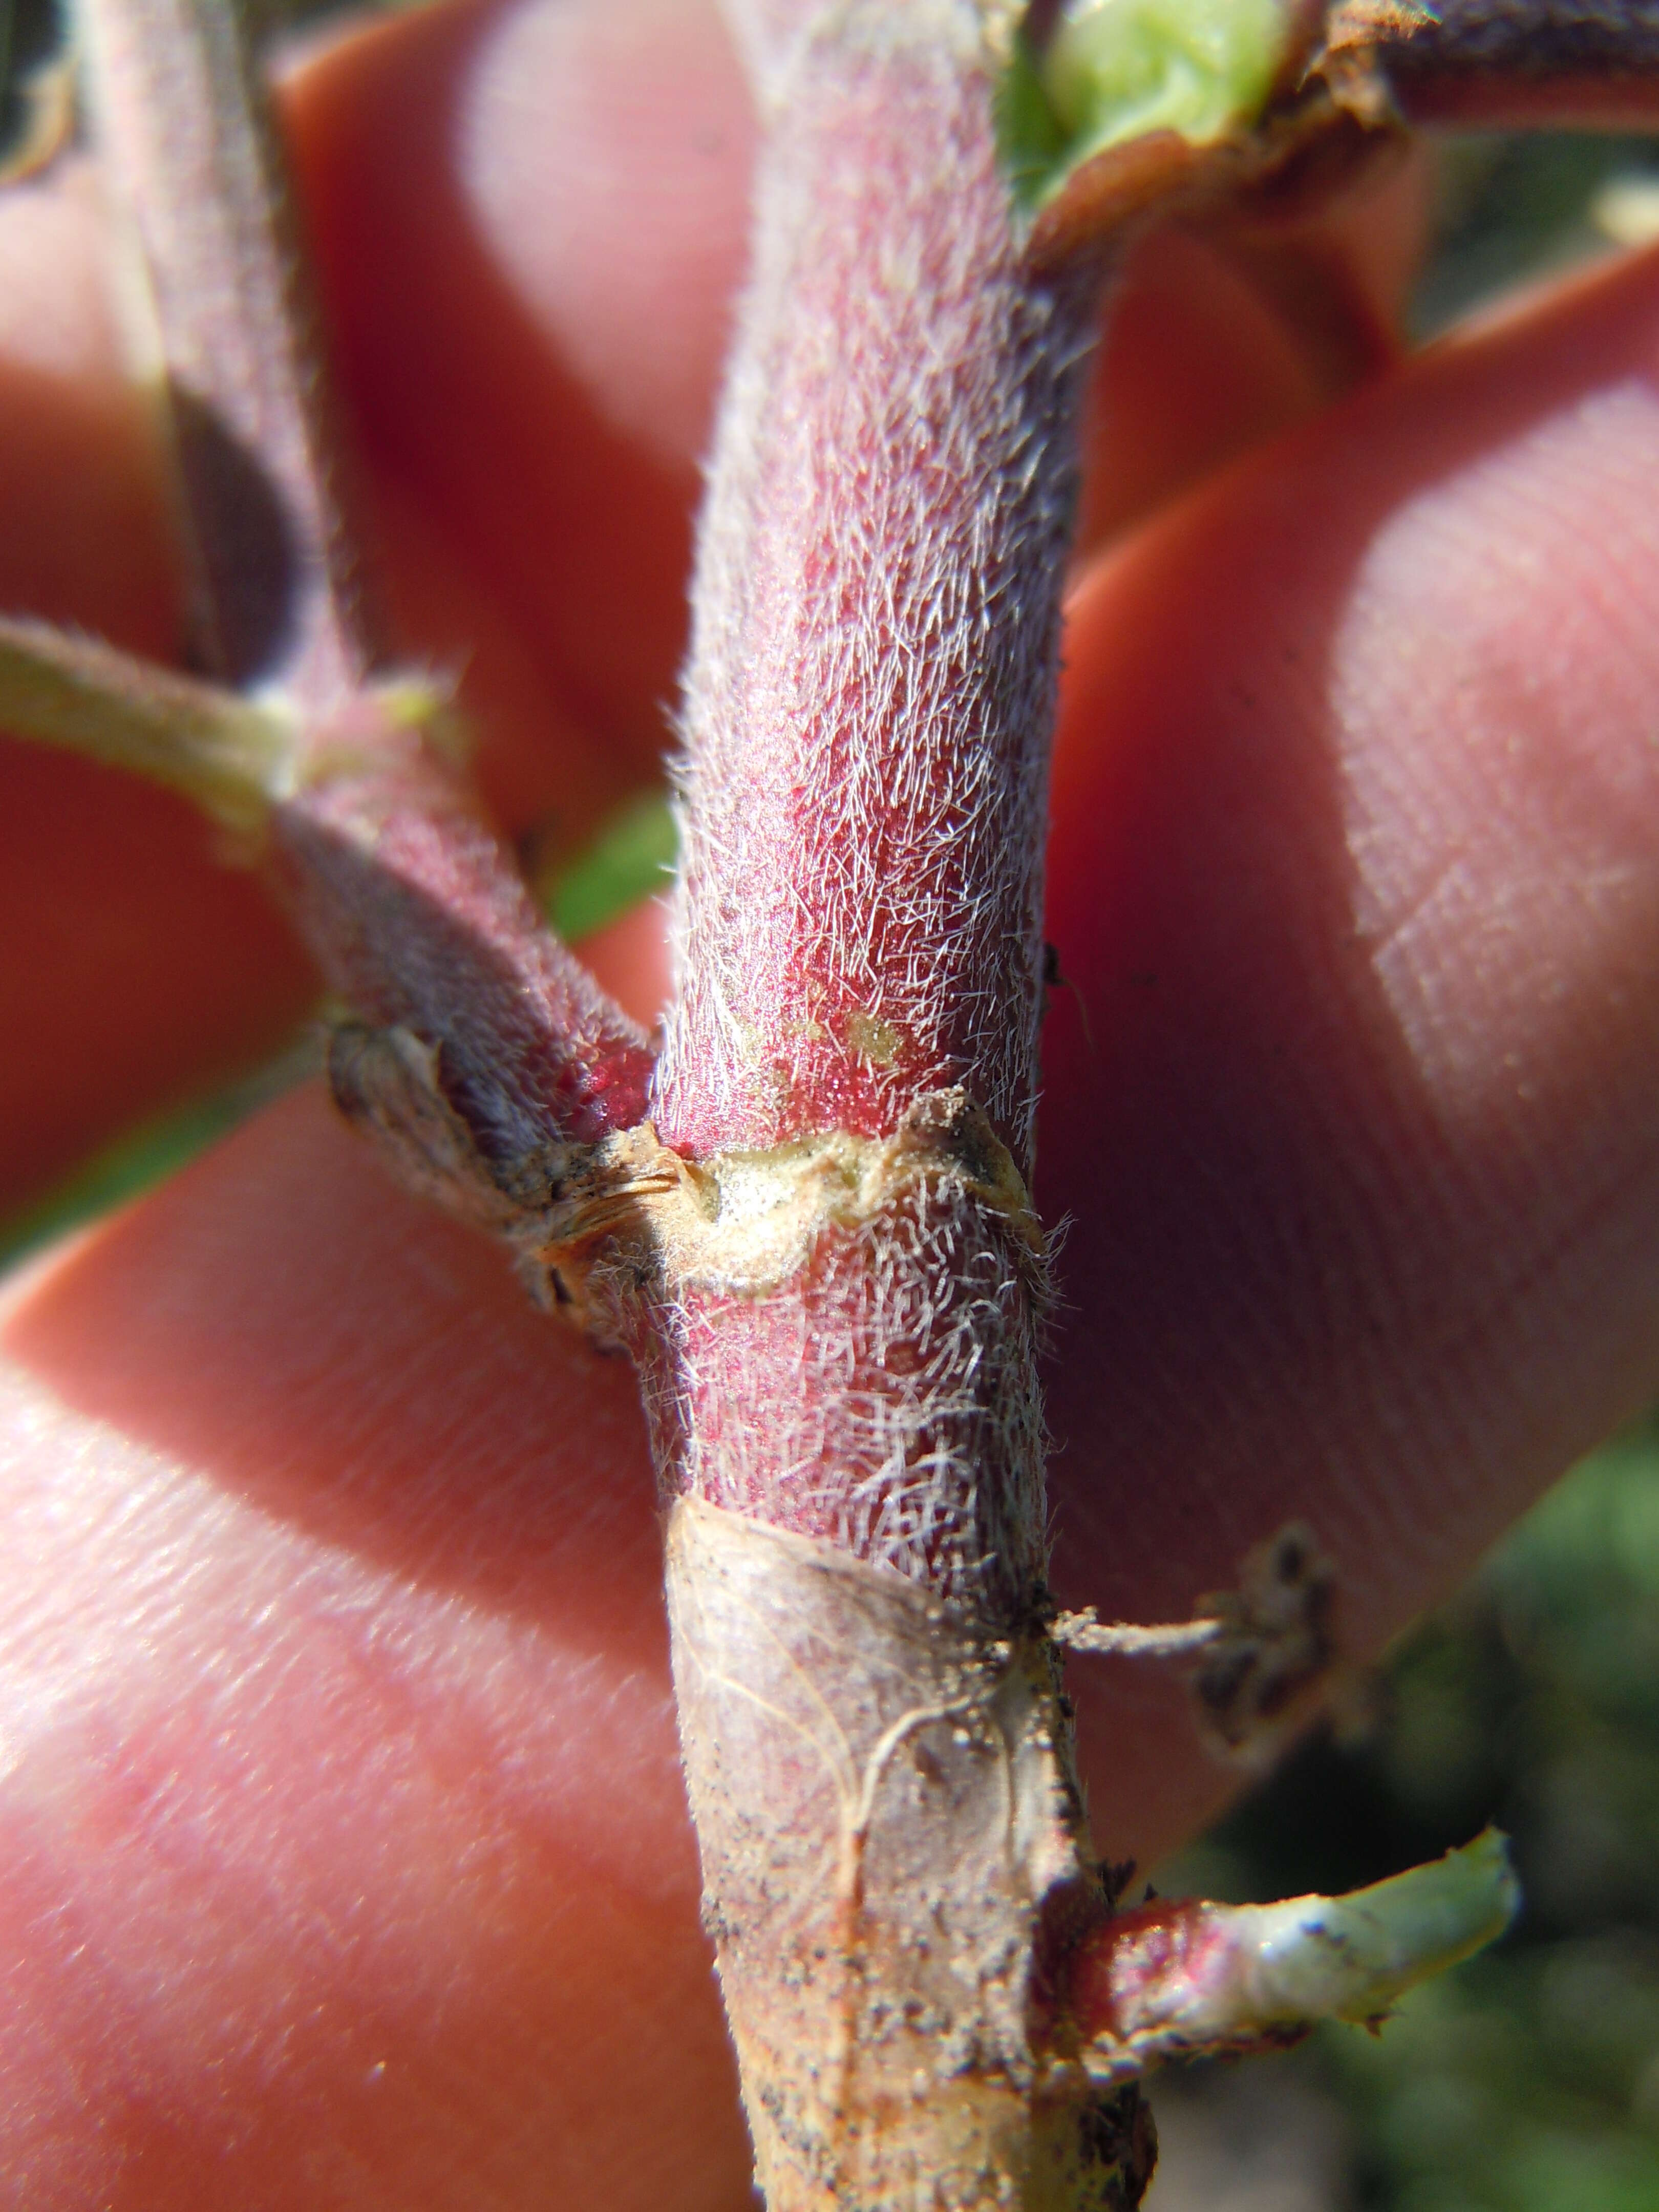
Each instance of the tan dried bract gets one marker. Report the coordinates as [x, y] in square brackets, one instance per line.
[1274, 1663]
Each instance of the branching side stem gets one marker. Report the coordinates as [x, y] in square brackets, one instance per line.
[1501, 64]
[417, 916]
[185, 133]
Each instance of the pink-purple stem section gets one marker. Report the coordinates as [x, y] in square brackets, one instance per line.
[418, 918]
[867, 716]
[871, 687]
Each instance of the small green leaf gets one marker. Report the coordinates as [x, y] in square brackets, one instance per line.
[1203, 1980]
[1350, 1958]
[633, 856]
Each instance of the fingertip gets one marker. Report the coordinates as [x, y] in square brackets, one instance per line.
[1194, 369]
[1355, 873]
[143, 970]
[1220, 336]
[82, 476]
[605, 151]
[631, 958]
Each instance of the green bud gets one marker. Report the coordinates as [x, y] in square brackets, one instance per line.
[1115, 70]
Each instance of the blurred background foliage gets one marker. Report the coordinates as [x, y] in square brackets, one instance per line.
[1512, 210]
[1528, 2082]
[30, 35]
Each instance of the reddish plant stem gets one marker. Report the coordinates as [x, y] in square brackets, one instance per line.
[184, 129]
[866, 723]
[425, 925]
[877, 599]
[415, 912]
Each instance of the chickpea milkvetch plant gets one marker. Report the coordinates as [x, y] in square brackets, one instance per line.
[805, 1211]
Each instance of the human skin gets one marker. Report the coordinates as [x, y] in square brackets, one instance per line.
[347, 1859]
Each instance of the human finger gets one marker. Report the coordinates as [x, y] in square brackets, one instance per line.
[347, 1853]
[1356, 876]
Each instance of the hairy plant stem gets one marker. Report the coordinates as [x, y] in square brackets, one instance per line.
[878, 1755]
[416, 916]
[866, 720]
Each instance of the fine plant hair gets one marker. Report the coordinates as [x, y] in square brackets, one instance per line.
[915, 1437]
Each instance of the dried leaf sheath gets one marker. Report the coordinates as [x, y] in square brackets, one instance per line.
[875, 1901]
